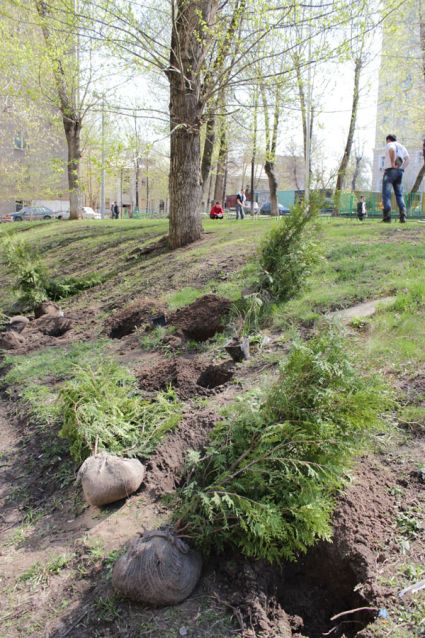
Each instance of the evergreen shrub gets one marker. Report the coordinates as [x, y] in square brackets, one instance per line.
[26, 264]
[33, 283]
[102, 409]
[289, 252]
[267, 482]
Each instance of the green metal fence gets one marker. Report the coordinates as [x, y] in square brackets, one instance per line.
[415, 203]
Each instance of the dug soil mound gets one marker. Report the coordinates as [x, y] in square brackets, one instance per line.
[203, 318]
[165, 468]
[126, 320]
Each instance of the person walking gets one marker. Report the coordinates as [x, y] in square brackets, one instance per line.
[112, 210]
[396, 160]
[240, 200]
[116, 211]
[361, 209]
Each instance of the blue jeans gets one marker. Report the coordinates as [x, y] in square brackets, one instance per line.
[392, 177]
[239, 211]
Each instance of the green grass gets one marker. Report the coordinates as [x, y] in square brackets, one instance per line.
[39, 573]
[36, 377]
[183, 297]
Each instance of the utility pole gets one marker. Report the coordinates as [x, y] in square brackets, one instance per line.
[121, 178]
[137, 183]
[308, 123]
[102, 179]
[254, 150]
[147, 184]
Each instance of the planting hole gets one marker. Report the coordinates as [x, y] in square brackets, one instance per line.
[319, 586]
[214, 376]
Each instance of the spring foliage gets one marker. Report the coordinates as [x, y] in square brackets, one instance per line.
[289, 252]
[27, 266]
[267, 482]
[101, 408]
[33, 283]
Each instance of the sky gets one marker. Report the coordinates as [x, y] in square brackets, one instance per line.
[333, 83]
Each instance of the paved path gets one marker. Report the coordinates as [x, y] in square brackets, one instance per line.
[361, 310]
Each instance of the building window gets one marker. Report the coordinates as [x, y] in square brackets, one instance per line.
[20, 141]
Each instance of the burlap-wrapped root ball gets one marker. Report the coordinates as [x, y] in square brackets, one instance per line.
[106, 478]
[158, 568]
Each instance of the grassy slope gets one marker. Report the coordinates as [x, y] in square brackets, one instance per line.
[360, 262]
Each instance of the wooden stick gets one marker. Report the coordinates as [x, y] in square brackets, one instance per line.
[352, 611]
[76, 623]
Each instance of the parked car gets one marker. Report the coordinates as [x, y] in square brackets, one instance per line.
[61, 214]
[86, 213]
[89, 213]
[32, 213]
[266, 209]
[7, 217]
[247, 207]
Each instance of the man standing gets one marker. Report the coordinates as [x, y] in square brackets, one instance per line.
[361, 209]
[240, 199]
[396, 160]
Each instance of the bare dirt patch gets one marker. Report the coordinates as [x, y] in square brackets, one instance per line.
[165, 467]
[413, 387]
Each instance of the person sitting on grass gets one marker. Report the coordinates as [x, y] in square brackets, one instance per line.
[216, 211]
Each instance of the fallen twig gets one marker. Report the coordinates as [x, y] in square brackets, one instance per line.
[412, 589]
[344, 622]
[353, 611]
[76, 623]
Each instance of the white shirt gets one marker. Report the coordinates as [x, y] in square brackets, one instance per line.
[399, 150]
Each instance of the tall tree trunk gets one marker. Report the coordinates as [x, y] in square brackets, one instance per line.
[421, 173]
[270, 172]
[356, 172]
[301, 95]
[303, 109]
[350, 137]
[67, 99]
[271, 144]
[188, 47]
[185, 167]
[208, 149]
[254, 148]
[221, 165]
[72, 133]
